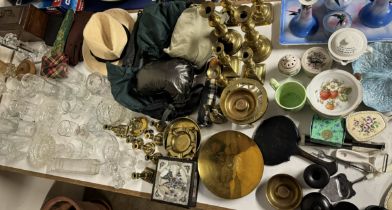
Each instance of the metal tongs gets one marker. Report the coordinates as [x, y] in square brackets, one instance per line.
[321, 154]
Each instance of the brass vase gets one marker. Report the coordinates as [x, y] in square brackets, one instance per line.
[231, 39]
[260, 44]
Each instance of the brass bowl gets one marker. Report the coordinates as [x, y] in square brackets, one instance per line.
[230, 164]
[284, 192]
[182, 138]
[244, 101]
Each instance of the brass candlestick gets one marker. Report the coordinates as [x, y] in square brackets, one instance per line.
[260, 44]
[119, 130]
[214, 72]
[231, 64]
[147, 175]
[250, 69]
[231, 39]
[158, 139]
[137, 143]
[231, 11]
[263, 13]
[154, 157]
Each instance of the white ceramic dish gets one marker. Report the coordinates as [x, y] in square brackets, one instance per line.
[347, 45]
[334, 93]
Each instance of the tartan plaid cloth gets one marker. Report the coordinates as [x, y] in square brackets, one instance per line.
[55, 66]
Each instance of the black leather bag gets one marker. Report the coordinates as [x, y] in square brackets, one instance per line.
[160, 105]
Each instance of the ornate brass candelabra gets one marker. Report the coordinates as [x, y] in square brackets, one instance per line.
[250, 69]
[260, 44]
[147, 175]
[231, 39]
[262, 13]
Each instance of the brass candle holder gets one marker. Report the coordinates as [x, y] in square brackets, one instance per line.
[231, 39]
[137, 143]
[154, 157]
[231, 63]
[147, 175]
[231, 10]
[158, 139]
[263, 13]
[214, 72]
[119, 130]
[250, 69]
[260, 44]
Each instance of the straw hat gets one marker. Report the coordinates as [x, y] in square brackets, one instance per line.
[105, 38]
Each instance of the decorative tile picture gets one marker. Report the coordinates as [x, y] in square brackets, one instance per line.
[174, 182]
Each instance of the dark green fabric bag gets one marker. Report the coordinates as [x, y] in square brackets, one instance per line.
[151, 33]
[156, 25]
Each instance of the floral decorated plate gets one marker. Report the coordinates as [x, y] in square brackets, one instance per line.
[366, 125]
[376, 76]
[334, 93]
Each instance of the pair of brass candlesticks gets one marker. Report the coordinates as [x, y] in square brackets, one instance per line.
[231, 66]
[231, 39]
[262, 15]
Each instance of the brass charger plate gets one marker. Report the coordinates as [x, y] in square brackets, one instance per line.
[182, 137]
[244, 101]
[284, 192]
[230, 164]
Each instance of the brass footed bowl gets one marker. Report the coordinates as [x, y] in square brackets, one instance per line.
[244, 101]
[284, 192]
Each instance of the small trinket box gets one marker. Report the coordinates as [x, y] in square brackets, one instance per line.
[289, 65]
[315, 60]
[366, 125]
[327, 131]
[176, 182]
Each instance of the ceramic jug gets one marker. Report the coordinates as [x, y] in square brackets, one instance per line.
[377, 13]
[336, 4]
[304, 23]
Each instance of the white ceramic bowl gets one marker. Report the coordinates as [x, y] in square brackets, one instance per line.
[334, 93]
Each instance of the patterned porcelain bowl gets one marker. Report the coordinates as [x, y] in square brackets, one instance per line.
[334, 93]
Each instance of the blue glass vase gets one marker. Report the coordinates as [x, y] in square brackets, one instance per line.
[304, 23]
[376, 14]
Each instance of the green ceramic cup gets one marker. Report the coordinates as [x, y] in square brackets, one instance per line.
[290, 95]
